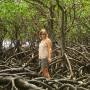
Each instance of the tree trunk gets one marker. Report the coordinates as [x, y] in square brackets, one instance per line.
[62, 26]
[51, 22]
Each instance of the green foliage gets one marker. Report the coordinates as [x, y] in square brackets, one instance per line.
[27, 17]
[80, 28]
[15, 14]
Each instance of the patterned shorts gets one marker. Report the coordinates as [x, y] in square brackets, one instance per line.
[43, 63]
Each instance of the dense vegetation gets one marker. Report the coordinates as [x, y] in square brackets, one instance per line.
[67, 22]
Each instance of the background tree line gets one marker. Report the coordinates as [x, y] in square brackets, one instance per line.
[67, 21]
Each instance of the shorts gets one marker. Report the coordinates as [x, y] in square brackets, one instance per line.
[43, 63]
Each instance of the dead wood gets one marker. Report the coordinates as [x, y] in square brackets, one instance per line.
[25, 76]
